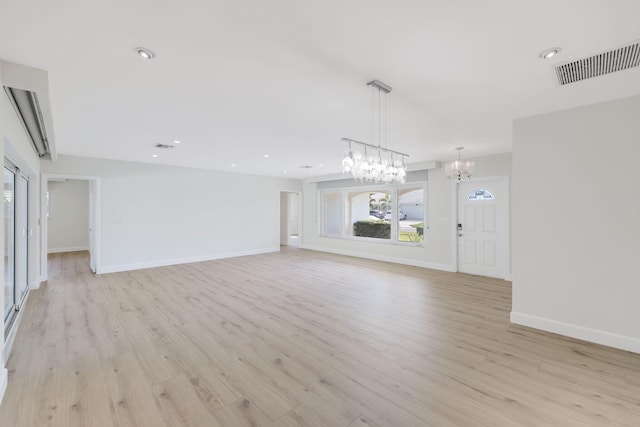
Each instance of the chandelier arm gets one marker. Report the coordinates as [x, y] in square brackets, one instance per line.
[373, 146]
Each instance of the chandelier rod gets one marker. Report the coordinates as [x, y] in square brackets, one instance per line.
[349, 140]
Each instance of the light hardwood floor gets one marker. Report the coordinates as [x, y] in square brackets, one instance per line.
[300, 338]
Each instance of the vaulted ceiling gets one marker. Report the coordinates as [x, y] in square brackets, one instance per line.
[235, 80]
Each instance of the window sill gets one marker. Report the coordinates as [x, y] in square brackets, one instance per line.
[374, 240]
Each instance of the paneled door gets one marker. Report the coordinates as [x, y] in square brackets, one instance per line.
[482, 227]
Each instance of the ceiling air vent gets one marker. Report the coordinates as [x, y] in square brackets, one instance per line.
[164, 146]
[597, 65]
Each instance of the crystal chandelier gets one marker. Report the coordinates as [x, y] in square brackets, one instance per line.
[459, 170]
[370, 162]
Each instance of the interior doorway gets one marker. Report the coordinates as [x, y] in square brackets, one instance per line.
[70, 217]
[483, 227]
[290, 218]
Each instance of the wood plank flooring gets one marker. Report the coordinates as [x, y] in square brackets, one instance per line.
[300, 338]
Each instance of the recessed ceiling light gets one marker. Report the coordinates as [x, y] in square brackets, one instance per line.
[145, 53]
[546, 54]
[266, 156]
[321, 164]
[154, 155]
[233, 165]
[284, 171]
[175, 141]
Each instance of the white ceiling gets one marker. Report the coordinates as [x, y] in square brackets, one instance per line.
[237, 79]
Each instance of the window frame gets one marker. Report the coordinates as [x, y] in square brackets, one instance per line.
[393, 189]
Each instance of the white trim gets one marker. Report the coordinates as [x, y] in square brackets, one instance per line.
[403, 261]
[300, 219]
[8, 343]
[507, 237]
[167, 262]
[4, 378]
[14, 157]
[370, 187]
[455, 196]
[44, 184]
[580, 332]
[375, 240]
[69, 249]
[454, 225]
[34, 285]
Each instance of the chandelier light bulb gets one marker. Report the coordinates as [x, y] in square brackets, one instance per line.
[459, 170]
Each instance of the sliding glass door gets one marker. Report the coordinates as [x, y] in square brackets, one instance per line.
[16, 242]
[9, 243]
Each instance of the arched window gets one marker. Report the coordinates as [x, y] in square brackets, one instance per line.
[480, 195]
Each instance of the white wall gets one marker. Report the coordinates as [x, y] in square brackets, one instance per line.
[437, 249]
[576, 244]
[284, 218]
[294, 213]
[155, 215]
[68, 222]
[15, 146]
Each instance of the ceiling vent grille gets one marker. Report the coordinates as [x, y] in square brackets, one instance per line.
[164, 146]
[597, 65]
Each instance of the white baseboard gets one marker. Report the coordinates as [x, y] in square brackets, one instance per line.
[167, 262]
[4, 380]
[69, 249]
[580, 332]
[404, 261]
[15, 325]
[35, 284]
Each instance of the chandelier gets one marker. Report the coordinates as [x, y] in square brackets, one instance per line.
[459, 170]
[370, 162]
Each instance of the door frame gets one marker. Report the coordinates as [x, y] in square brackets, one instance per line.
[300, 217]
[454, 226]
[21, 298]
[95, 209]
[10, 330]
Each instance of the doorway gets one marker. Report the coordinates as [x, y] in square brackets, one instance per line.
[483, 227]
[86, 232]
[289, 218]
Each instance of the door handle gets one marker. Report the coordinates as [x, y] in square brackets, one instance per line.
[460, 234]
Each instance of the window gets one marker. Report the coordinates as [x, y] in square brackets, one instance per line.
[368, 213]
[391, 214]
[411, 214]
[480, 195]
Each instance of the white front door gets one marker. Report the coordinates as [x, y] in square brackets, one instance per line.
[482, 227]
